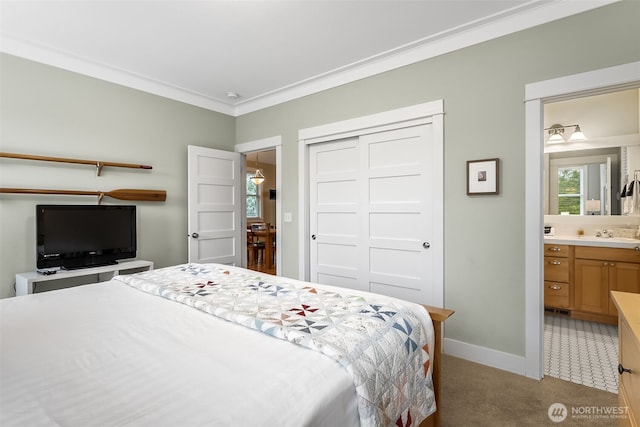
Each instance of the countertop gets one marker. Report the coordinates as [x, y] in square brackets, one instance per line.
[628, 303]
[607, 242]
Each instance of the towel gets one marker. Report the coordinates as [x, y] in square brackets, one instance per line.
[634, 208]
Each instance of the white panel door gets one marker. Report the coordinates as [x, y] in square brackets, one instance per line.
[398, 221]
[215, 206]
[334, 214]
[371, 205]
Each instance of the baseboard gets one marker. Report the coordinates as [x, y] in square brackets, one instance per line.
[485, 356]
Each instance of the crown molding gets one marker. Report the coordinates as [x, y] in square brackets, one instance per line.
[66, 61]
[531, 14]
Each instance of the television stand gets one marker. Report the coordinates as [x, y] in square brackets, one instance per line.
[25, 282]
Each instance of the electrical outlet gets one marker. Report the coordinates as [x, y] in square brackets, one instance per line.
[288, 217]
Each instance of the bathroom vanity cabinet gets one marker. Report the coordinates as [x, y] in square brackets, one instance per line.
[557, 283]
[580, 281]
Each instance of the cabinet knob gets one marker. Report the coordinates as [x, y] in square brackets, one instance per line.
[622, 369]
[554, 249]
[555, 262]
[554, 287]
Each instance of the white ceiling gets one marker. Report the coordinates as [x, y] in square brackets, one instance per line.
[266, 51]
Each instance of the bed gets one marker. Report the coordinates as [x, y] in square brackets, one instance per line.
[210, 344]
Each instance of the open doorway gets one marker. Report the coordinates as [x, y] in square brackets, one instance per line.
[586, 175]
[537, 94]
[261, 210]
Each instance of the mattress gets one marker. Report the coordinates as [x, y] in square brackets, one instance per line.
[110, 354]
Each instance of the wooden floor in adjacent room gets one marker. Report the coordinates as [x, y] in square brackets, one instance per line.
[262, 267]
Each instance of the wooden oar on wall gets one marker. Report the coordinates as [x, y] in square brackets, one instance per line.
[122, 194]
[97, 163]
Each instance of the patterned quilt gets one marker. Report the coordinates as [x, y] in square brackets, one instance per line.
[383, 346]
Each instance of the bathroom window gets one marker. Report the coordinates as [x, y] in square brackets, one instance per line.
[583, 185]
[570, 190]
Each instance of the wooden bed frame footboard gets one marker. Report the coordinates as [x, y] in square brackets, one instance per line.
[438, 316]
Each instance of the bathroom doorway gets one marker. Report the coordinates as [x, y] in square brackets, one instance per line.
[537, 94]
[584, 174]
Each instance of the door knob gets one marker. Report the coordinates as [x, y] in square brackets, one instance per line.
[195, 235]
[426, 245]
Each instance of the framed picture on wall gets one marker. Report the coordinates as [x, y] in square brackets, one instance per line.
[482, 176]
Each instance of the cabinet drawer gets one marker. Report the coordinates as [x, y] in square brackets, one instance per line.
[630, 359]
[560, 251]
[556, 269]
[556, 294]
[607, 254]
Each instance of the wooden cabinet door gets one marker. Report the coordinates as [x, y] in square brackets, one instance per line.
[592, 286]
[624, 277]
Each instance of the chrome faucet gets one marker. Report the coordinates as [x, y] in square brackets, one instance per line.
[604, 233]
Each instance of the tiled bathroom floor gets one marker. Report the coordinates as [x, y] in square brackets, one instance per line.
[581, 352]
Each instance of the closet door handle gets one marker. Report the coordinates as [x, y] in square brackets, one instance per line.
[313, 236]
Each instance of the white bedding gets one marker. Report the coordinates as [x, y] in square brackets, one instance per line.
[108, 354]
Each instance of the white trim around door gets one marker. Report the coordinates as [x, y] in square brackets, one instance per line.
[431, 112]
[271, 143]
[536, 94]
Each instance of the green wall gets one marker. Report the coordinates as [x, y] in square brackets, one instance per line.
[483, 92]
[49, 111]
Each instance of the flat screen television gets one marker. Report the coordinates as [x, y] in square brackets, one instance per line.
[80, 236]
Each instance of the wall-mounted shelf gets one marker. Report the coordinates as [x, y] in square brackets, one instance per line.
[122, 194]
[97, 163]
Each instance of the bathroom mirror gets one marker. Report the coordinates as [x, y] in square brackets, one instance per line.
[589, 177]
[584, 182]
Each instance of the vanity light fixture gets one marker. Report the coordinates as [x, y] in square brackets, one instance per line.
[577, 135]
[556, 131]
